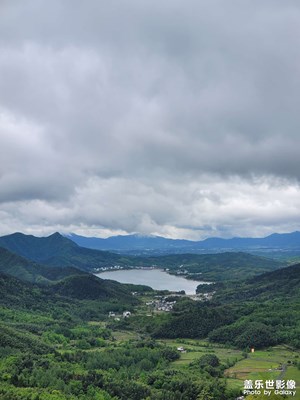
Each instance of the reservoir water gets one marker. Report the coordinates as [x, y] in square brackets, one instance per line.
[155, 278]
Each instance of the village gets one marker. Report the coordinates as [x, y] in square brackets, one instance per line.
[161, 303]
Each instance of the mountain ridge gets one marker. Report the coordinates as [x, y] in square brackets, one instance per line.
[143, 245]
[60, 252]
[57, 251]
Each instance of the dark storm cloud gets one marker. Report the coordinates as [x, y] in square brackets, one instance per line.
[165, 107]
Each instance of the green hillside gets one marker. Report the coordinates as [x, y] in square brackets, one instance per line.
[282, 284]
[90, 287]
[59, 251]
[42, 286]
[270, 310]
[31, 271]
[258, 312]
[217, 267]
[16, 293]
[24, 341]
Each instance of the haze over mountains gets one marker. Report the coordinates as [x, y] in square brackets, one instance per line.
[142, 245]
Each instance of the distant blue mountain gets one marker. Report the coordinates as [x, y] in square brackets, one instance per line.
[130, 242]
[276, 240]
[148, 244]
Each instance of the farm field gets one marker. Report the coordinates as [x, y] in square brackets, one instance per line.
[270, 364]
[197, 348]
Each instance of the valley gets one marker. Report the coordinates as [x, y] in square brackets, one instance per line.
[67, 334]
[149, 200]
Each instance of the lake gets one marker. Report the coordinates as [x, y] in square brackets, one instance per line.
[155, 278]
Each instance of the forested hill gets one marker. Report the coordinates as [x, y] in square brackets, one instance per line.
[57, 250]
[90, 287]
[31, 271]
[36, 248]
[260, 312]
[30, 312]
[283, 284]
[218, 267]
[15, 292]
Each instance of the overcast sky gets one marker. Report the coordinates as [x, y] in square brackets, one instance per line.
[174, 118]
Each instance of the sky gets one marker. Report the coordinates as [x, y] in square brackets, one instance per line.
[178, 119]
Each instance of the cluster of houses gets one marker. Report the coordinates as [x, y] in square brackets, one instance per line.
[161, 304]
[121, 267]
[182, 272]
[111, 268]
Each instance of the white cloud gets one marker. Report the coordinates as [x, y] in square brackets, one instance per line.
[194, 210]
[150, 117]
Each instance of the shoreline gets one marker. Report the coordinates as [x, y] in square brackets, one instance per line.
[156, 278]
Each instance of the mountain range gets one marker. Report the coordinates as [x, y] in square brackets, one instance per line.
[31, 254]
[143, 245]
